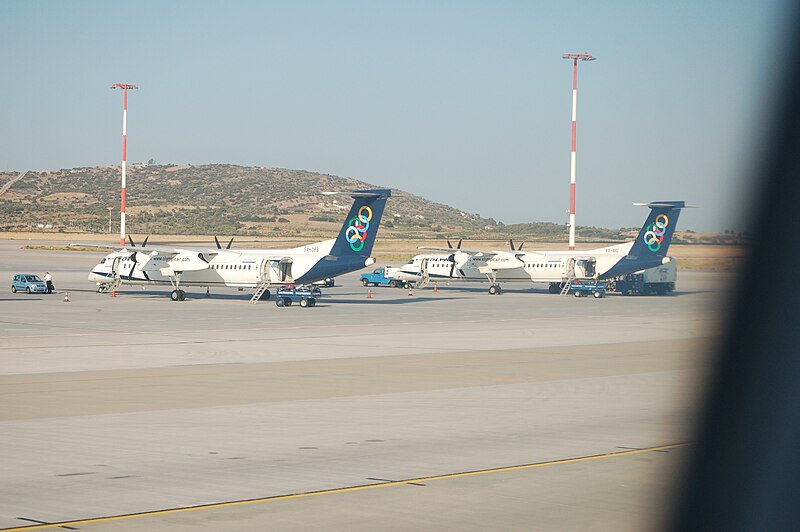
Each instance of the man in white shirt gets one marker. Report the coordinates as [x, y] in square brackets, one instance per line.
[48, 280]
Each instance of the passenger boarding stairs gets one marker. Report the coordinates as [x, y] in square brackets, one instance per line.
[261, 287]
[566, 287]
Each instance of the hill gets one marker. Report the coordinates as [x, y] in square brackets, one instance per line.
[234, 200]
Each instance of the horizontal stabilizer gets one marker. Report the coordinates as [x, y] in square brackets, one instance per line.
[667, 205]
[382, 193]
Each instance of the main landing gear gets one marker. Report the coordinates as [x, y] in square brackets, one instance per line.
[177, 295]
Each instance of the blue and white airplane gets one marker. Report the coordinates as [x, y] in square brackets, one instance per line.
[249, 268]
[648, 250]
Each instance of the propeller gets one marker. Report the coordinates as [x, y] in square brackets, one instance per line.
[458, 246]
[219, 246]
[452, 259]
[144, 244]
[130, 239]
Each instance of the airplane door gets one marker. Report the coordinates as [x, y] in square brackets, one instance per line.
[277, 271]
[115, 266]
[285, 271]
[423, 267]
[571, 268]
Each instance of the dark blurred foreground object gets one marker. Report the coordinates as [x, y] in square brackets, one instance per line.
[744, 472]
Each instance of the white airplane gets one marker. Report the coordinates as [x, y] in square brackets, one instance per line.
[557, 268]
[248, 268]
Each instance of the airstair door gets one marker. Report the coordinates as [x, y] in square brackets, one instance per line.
[571, 269]
[263, 271]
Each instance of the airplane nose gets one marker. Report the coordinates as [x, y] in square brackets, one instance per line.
[93, 277]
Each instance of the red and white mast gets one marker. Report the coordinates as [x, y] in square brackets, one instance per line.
[124, 87]
[573, 159]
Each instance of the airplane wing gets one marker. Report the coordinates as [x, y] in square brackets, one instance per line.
[148, 250]
[472, 253]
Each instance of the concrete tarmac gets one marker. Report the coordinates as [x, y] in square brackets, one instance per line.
[451, 409]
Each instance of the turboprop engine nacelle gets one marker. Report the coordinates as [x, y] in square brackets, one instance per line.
[186, 261]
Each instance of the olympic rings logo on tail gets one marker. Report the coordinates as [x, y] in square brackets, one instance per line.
[356, 232]
[654, 235]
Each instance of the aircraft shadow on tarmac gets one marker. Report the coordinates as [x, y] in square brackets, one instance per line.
[156, 294]
[398, 301]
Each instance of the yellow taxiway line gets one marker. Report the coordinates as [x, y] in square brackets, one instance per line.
[384, 484]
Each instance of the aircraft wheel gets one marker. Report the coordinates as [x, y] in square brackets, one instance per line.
[493, 290]
[312, 302]
[499, 290]
[287, 301]
[279, 302]
[364, 282]
[554, 289]
[304, 303]
[13, 289]
[265, 296]
[175, 296]
[181, 295]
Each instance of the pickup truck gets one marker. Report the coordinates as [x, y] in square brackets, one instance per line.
[382, 277]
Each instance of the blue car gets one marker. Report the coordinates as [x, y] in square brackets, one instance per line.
[28, 282]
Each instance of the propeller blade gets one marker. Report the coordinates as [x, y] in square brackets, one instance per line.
[144, 244]
[511, 243]
[449, 244]
[130, 239]
[219, 246]
[520, 246]
[229, 244]
[458, 246]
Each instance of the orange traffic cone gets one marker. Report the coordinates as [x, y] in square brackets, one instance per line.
[114, 293]
[369, 294]
[435, 287]
[409, 291]
[66, 297]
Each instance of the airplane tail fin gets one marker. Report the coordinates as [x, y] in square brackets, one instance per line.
[650, 247]
[656, 234]
[360, 228]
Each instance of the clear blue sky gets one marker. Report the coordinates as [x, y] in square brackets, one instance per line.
[466, 103]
